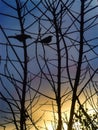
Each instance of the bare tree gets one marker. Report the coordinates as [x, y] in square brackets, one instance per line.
[71, 45]
[63, 50]
[16, 62]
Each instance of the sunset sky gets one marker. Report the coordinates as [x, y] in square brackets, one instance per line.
[11, 27]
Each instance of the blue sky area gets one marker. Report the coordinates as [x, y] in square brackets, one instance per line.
[11, 27]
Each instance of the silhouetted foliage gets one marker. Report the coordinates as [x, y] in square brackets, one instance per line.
[49, 51]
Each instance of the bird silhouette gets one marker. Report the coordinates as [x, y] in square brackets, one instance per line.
[21, 37]
[46, 40]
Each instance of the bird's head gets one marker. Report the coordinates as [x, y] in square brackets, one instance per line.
[28, 36]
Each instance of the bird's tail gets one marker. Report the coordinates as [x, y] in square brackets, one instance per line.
[11, 36]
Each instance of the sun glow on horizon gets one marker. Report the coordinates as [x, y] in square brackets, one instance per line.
[50, 127]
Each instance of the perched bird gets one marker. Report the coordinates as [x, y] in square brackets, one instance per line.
[46, 40]
[20, 37]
